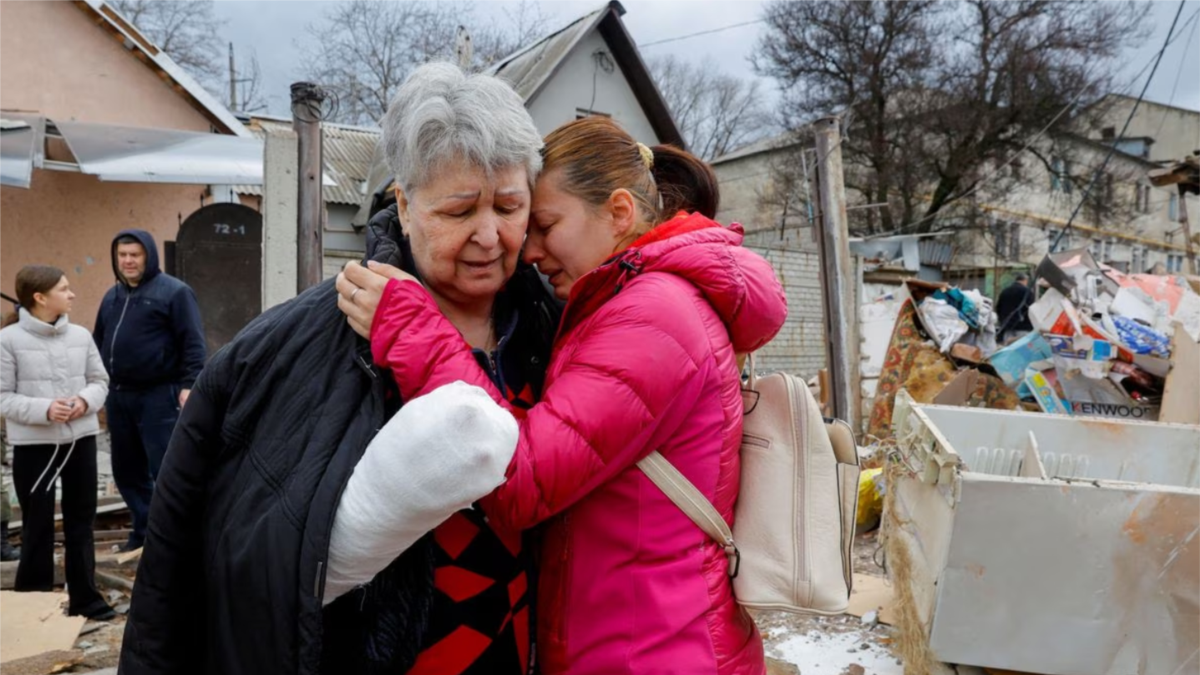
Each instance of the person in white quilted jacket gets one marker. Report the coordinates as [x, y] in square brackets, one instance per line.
[52, 385]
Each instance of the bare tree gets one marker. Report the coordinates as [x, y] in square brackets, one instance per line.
[787, 193]
[362, 50]
[715, 111]
[936, 93]
[185, 29]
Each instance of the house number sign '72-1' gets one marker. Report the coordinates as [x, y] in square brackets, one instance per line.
[229, 230]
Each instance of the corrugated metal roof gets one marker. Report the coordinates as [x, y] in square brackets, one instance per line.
[936, 253]
[528, 68]
[347, 153]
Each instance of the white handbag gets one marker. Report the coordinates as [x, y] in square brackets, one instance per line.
[793, 527]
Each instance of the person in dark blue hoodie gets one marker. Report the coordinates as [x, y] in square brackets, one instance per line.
[152, 342]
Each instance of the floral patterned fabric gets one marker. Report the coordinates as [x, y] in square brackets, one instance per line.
[913, 363]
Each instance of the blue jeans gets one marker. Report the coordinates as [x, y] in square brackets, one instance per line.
[141, 422]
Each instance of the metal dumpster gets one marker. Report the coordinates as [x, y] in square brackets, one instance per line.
[1044, 543]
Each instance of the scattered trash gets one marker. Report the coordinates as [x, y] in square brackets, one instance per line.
[98, 649]
[1011, 362]
[870, 500]
[872, 594]
[1104, 344]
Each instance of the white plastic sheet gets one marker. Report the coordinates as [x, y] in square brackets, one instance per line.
[143, 155]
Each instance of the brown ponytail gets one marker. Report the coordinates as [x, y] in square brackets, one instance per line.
[684, 182]
[31, 280]
[598, 157]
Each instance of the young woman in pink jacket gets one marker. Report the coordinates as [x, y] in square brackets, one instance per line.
[660, 300]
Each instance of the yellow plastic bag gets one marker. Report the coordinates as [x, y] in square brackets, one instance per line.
[870, 500]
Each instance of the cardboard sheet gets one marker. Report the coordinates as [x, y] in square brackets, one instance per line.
[33, 623]
[1181, 395]
[872, 593]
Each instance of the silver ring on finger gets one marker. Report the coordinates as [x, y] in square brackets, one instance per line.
[354, 292]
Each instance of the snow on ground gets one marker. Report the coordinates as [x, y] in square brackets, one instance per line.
[831, 645]
[817, 652]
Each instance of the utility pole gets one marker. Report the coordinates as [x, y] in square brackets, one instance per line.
[232, 81]
[306, 121]
[838, 288]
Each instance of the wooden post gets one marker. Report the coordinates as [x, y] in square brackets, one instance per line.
[232, 82]
[1187, 229]
[837, 284]
[306, 121]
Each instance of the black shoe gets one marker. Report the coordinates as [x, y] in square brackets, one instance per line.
[100, 611]
[131, 545]
[107, 614]
[8, 552]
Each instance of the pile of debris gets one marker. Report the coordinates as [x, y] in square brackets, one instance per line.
[1104, 343]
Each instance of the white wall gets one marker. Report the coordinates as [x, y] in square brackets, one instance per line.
[1176, 131]
[1041, 212]
[571, 87]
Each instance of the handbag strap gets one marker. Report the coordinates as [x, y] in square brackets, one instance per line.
[692, 502]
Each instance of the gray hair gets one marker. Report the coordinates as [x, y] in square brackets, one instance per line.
[439, 113]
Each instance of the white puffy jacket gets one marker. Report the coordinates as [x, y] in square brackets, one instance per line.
[40, 362]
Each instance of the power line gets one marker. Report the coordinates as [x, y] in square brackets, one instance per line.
[1113, 148]
[986, 179]
[1174, 87]
[703, 32]
[1183, 59]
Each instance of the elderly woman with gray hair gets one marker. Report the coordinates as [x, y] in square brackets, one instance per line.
[272, 546]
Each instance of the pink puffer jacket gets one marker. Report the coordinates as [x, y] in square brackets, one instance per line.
[644, 360]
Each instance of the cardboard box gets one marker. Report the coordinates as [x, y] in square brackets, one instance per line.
[1045, 394]
[1181, 395]
[1053, 313]
[965, 352]
[1076, 270]
[958, 391]
[1012, 361]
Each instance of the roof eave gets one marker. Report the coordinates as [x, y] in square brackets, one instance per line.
[627, 56]
[598, 18]
[158, 61]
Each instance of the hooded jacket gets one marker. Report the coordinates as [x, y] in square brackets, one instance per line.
[149, 334]
[40, 362]
[644, 360]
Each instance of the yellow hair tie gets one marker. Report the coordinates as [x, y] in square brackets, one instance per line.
[647, 155]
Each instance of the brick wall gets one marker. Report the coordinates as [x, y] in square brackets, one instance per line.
[799, 347]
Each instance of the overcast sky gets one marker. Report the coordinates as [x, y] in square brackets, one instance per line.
[272, 28]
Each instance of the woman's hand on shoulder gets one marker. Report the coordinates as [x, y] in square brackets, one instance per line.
[360, 289]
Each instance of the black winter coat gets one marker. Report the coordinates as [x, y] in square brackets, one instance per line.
[231, 577]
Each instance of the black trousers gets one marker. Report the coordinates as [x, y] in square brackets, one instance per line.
[141, 422]
[35, 572]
